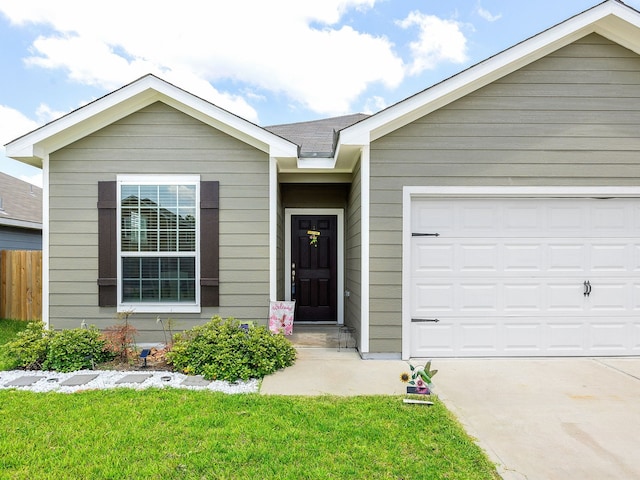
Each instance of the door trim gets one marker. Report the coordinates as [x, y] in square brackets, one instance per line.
[339, 213]
[498, 192]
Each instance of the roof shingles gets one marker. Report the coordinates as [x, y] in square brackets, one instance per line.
[20, 201]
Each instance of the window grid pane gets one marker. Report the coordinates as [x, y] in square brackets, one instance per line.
[154, 279]
[156, 221]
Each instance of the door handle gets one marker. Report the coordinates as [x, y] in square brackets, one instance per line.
[587, 288]
[293, 280]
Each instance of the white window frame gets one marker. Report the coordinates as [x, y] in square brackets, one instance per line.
[159, 307]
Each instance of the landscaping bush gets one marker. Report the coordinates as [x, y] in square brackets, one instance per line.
[29, 349]
[65, 351]
[75, 349]
[222, 350]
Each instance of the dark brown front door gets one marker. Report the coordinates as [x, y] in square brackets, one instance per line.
[314, 260]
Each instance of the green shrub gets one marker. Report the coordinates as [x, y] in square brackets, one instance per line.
[76, 349]
[65, 350]
[29, 348]
[221, 350]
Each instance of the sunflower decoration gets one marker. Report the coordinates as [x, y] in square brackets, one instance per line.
[404, 377]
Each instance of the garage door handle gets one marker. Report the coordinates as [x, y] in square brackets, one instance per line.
[423, 320]
[587, 288]
[425, 234]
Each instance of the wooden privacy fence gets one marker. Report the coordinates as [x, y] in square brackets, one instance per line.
[21, 284]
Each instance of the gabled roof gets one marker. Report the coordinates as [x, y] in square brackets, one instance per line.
[20, 203]
[33, 147]
[611, 19]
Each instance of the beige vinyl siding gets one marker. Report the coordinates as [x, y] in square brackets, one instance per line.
[158, 140]
[571, 118]
[353, 255]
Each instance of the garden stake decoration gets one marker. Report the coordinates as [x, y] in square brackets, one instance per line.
[419, 379]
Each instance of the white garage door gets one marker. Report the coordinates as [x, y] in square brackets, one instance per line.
[525, 277]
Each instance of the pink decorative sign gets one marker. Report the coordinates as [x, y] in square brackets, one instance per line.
[281, 317]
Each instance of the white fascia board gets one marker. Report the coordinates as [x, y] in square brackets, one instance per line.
[566, 191]
[131, 98]
[316, 163]
[12, 222]
[611, 19]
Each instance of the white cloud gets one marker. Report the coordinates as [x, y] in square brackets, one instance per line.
[284, 46]
[13, 124]
[374, 104]
[487, 15]
[438, 40]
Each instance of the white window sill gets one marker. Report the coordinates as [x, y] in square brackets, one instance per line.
[158, 308]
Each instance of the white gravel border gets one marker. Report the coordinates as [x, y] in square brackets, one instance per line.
[108, 378]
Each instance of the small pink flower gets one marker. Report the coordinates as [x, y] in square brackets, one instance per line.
[421, 387]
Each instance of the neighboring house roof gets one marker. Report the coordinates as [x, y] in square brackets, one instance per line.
[33, 147]
[611, 19]
[20, 203]
[316, 138]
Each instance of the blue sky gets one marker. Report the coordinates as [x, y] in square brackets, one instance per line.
[273, 62]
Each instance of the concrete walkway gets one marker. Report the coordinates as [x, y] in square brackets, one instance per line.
[574, 418]
[327, 371]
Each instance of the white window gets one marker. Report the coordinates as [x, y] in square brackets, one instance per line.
[158, 232]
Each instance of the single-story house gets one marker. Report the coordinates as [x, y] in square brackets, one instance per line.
[496, 213]
[20, 214]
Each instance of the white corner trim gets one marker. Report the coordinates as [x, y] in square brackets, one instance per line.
[406, 273]
[339, 213]
[46, 228]
[273, 229]
[365, 191]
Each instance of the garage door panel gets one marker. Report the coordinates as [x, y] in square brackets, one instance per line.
[477, 297]
[522, 297]
[507, 276]
[522, 257]
[431, 258]
[611, 219]
[523, 337]
[609, 337]
[429, 339]
[478, 338]
[478, 258]
[429, 298]
[565, 297]
[566, 337]
[609, 296]
[567, 257]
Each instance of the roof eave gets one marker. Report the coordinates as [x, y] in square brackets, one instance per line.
[610, 19]
[33, 147]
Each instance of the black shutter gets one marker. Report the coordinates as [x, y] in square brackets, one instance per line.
[107, 244]
[209, 244]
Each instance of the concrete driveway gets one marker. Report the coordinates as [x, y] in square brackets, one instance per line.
[574, 418]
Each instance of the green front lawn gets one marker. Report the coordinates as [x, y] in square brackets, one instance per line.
[183, 434]
[167, 434]
[9, 329]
